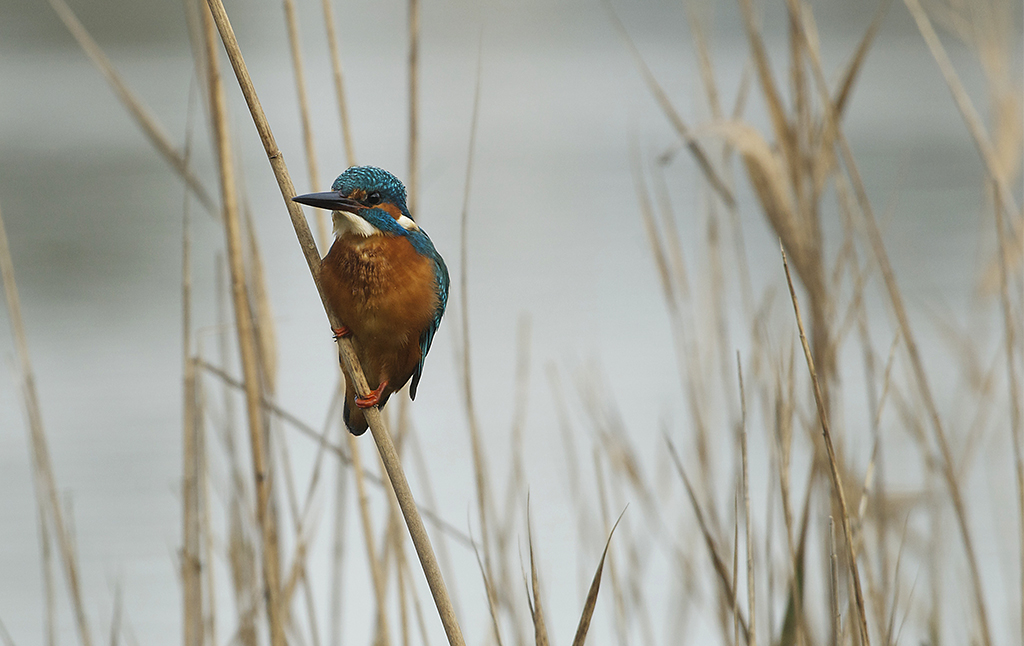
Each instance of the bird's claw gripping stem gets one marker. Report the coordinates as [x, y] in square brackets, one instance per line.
[373, 398]
[341, 332]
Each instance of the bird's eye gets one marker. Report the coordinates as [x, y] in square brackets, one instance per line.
[373, 198]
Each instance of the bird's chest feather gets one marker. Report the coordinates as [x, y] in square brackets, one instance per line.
[380, 285]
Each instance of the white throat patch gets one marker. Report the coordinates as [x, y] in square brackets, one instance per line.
[345, 222]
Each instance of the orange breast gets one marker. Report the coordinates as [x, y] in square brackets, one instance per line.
[386, 294]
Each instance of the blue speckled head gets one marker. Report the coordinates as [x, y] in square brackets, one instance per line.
[370, 179]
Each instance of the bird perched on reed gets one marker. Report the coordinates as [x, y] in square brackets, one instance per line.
[384, 280]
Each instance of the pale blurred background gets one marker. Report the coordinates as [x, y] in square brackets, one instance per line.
[94, 218]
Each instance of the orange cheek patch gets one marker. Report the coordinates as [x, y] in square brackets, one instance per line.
[392, 210]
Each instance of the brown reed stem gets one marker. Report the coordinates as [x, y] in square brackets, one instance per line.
[307, 124]
[43, 467]
[339, 84]
[191, 564]
[246, 346]
[338, 550]
[376, 569]
[684, 131]
[346, 351]
[480, 470]
[963, 103]
[414, 100]
[143, 116]
[837, 483]
[751, 607]
[1009, 338]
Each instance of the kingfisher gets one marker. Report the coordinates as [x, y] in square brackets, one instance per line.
[385, 282]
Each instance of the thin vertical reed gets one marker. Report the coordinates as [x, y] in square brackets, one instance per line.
[338, 548]
[747, 521]
[414, 100]
[963, 103]
[247, 346]
[308, 141]
[376, 572]
[1009, 338]
[480, 469]
[191, 564]
[833, 560]
[837, 483]
[339, 84]
[43, 467]
[146, 120]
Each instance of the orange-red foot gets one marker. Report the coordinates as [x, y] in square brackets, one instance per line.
[373, 398]
[342, 332]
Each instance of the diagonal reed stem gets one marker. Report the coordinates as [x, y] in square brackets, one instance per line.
[346, 350]
[837, 482]
[142, 115]
[47, 489]
[246, 344]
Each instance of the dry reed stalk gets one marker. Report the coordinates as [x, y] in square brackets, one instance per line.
[621, 627]
[595, 586]
[338, 547]
[146, 120]
[42, 465]
[300, 525]
[376, 568]
[480, 468]
[346, 351]
[5, 636]
[247, 347]
[339, 85]
[540, 631]
[896, 299]
[1009, 337]
[241, 554]
[205, 523]
[963, 103]
[676, 291]
[684, 132]
[728, 589]
[115, 619]
[837, 483]
[833, 560]
[191, 564]
[303, 518]
[401, 570]
[490, 596]
[735, 576]
[49, 586]
[270, 406]
[292, 22]
[516, 484]
[262, 312]
[751, 608]
[414, 99]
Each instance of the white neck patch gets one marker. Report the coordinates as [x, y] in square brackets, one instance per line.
[345, 222]
[407, 224]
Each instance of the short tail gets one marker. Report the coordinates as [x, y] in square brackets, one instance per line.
[354, 418]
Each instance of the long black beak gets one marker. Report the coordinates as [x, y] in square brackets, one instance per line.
[330, 200]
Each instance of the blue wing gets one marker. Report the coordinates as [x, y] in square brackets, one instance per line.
[441, 273]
